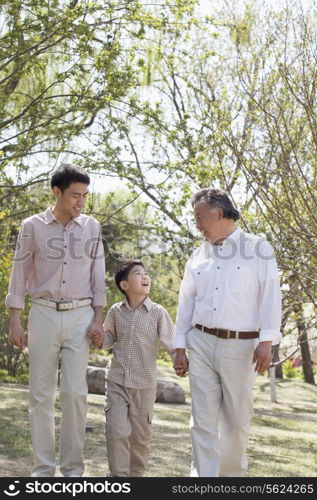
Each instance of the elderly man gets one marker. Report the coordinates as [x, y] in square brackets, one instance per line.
[229, 316]
[59, 261]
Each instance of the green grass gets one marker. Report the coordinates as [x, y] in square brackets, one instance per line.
[282, 440]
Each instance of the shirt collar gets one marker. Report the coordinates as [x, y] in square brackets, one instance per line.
[232, 237]
[147, 303]
[50, 217]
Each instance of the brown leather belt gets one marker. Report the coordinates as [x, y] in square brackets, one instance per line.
[228, 334]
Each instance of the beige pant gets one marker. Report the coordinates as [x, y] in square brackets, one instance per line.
[58, 337]
[128, 428]
[221, 376]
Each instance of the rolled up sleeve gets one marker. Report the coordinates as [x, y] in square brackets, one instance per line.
[21, 268]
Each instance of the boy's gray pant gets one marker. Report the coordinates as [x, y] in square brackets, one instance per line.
[128, 428]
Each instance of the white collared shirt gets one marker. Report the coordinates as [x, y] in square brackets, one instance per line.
[233, 286]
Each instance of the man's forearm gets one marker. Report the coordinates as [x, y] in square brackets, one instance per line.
[98, 313]
[15, 315]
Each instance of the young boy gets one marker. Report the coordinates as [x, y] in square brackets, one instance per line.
[132, 328]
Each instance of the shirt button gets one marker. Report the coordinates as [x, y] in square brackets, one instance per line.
[218, 267]
[215, 309]
[238, 267]
[64, 281]
[216, 288]
[64, 262]
[65, 246]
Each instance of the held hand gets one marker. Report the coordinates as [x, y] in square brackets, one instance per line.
[96, 333]
[262, 357]
[180, 363]
[17, 336]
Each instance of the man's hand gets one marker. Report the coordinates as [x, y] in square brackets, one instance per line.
[180, 363]
[96, 338]
[262, 356]
[95, 331]
[17, 336]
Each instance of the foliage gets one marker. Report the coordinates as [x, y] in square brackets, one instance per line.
[290, 371]
[22, 378]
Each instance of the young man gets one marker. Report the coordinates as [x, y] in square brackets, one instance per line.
[132, 329]
[229, 315]
[59, 261]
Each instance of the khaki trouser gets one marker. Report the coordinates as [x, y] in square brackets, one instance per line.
[58, 336]
[128, 428]
[221, 376]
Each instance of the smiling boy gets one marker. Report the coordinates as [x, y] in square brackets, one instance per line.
[132, 329]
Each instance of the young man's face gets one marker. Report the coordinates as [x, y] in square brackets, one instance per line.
[72, 200]
[138, 281]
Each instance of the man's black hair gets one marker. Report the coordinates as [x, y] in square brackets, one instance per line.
[67, 173]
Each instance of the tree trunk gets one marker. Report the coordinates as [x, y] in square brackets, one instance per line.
[304, 346]
[272, 373]
[275, 359]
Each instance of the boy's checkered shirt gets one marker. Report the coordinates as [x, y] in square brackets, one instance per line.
[133, 335]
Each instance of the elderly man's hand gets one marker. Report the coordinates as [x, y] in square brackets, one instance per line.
[180, 363]
[262, 356]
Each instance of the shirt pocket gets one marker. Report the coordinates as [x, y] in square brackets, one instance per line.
[202, 275]
[237, 278]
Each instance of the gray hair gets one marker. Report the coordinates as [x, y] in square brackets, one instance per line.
[216, 198]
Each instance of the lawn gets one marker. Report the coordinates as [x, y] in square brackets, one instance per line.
[282, 440]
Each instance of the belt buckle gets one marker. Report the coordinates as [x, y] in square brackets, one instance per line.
[64, 306]
[228, 334]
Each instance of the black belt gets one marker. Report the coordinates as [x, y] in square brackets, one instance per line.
[228, 334]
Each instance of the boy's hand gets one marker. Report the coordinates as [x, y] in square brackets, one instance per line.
[96, 337]
[180, 363]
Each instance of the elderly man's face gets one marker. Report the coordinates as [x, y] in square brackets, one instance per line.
[208, 220]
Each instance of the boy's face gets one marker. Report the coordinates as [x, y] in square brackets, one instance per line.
[138, 282]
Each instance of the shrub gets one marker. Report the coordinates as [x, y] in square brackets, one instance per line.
[291, 372]
[22, 378]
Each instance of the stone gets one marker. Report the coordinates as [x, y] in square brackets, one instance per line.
[166, 391]
[169, 392]
[96, 379]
